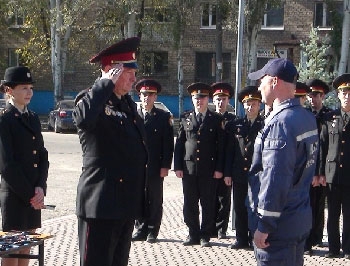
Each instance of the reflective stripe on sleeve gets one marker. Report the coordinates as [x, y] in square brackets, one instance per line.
[307, 135]
[268, 213]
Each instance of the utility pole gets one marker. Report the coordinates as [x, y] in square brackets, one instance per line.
[239, 56]
[218, 42]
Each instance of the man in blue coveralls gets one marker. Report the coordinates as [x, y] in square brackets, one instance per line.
[283, 165]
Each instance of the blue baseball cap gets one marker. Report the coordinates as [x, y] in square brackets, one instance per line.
[277, 67]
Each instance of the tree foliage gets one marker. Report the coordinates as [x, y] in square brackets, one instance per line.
[318, 61]
[316, 51]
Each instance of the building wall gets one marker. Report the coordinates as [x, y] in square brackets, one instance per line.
[298, 19]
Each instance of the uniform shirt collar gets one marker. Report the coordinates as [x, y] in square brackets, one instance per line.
[283, 105]
[25, 110]
[203, 114]
[342, 113]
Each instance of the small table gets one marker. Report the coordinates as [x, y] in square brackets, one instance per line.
[34, 240]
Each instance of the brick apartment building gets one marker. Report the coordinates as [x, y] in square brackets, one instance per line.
[282, 28]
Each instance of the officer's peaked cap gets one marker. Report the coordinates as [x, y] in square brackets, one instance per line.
[249, 93]
[148, 86]
[301, 89]
[222, 88]
[120, 52]
[317, 85]
[199, 89]
[342, 82]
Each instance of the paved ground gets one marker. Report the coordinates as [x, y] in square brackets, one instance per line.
[65, 158]
[63, 249]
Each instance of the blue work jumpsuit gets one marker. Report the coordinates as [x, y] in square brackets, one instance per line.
[282, 169]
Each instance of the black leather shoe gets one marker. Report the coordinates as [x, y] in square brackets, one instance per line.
[191, 242]
[138, 237]
[347, 256]
[331, 255]
[222, 236]
[309, 252]
[238, 245]
[205, 243]
[151, 238]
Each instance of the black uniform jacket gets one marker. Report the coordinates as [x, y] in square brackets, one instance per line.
[320, 116]
[335, 149]
[240, 138]
[112, 184]
[199, 150]
[23, 157]
[160, 141]
[228, 117]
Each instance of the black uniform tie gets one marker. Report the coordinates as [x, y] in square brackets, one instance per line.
[25, 116]
[345, 119]
[199, 118]
[147, 115]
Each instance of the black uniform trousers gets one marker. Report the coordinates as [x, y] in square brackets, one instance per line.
[154, 208]
[241, 219]
[223, 206]
[318, 202]
[203, 189]
[338, 200]
[102, 242]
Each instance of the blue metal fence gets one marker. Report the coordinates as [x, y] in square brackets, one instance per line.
[43, 101]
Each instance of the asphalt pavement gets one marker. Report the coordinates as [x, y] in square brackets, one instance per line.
[62, 249]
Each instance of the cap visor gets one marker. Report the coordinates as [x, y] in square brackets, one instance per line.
[256, 75]
[199, 95]
[130, 65]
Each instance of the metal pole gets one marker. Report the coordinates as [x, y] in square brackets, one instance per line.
[239, 53]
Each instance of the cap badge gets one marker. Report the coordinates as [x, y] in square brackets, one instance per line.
[28, 75]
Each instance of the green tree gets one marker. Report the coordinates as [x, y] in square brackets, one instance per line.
[317, 51]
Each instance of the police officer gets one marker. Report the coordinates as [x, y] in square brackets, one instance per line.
[241, 135]
[221, 92]
[160, 144]
[318, 90]
[23, 159]
[283, 165]
[198, 160]
[301, 92]
[335, 167]
[111, 188]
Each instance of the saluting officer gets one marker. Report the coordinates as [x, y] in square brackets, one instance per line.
[198, 160]
[221, 92]
[334, 162]
[241, 135]
[111, 188]
[160, 144]
[318, 90]
[301, 91]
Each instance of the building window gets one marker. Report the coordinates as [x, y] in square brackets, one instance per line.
[14, 57]
[208, 16]
[322, 15]
[155, 63]
[273, 18]
[206, 67]
[16, 20]
[158, 15]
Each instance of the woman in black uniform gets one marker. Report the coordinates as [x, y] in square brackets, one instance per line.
[23, 158]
